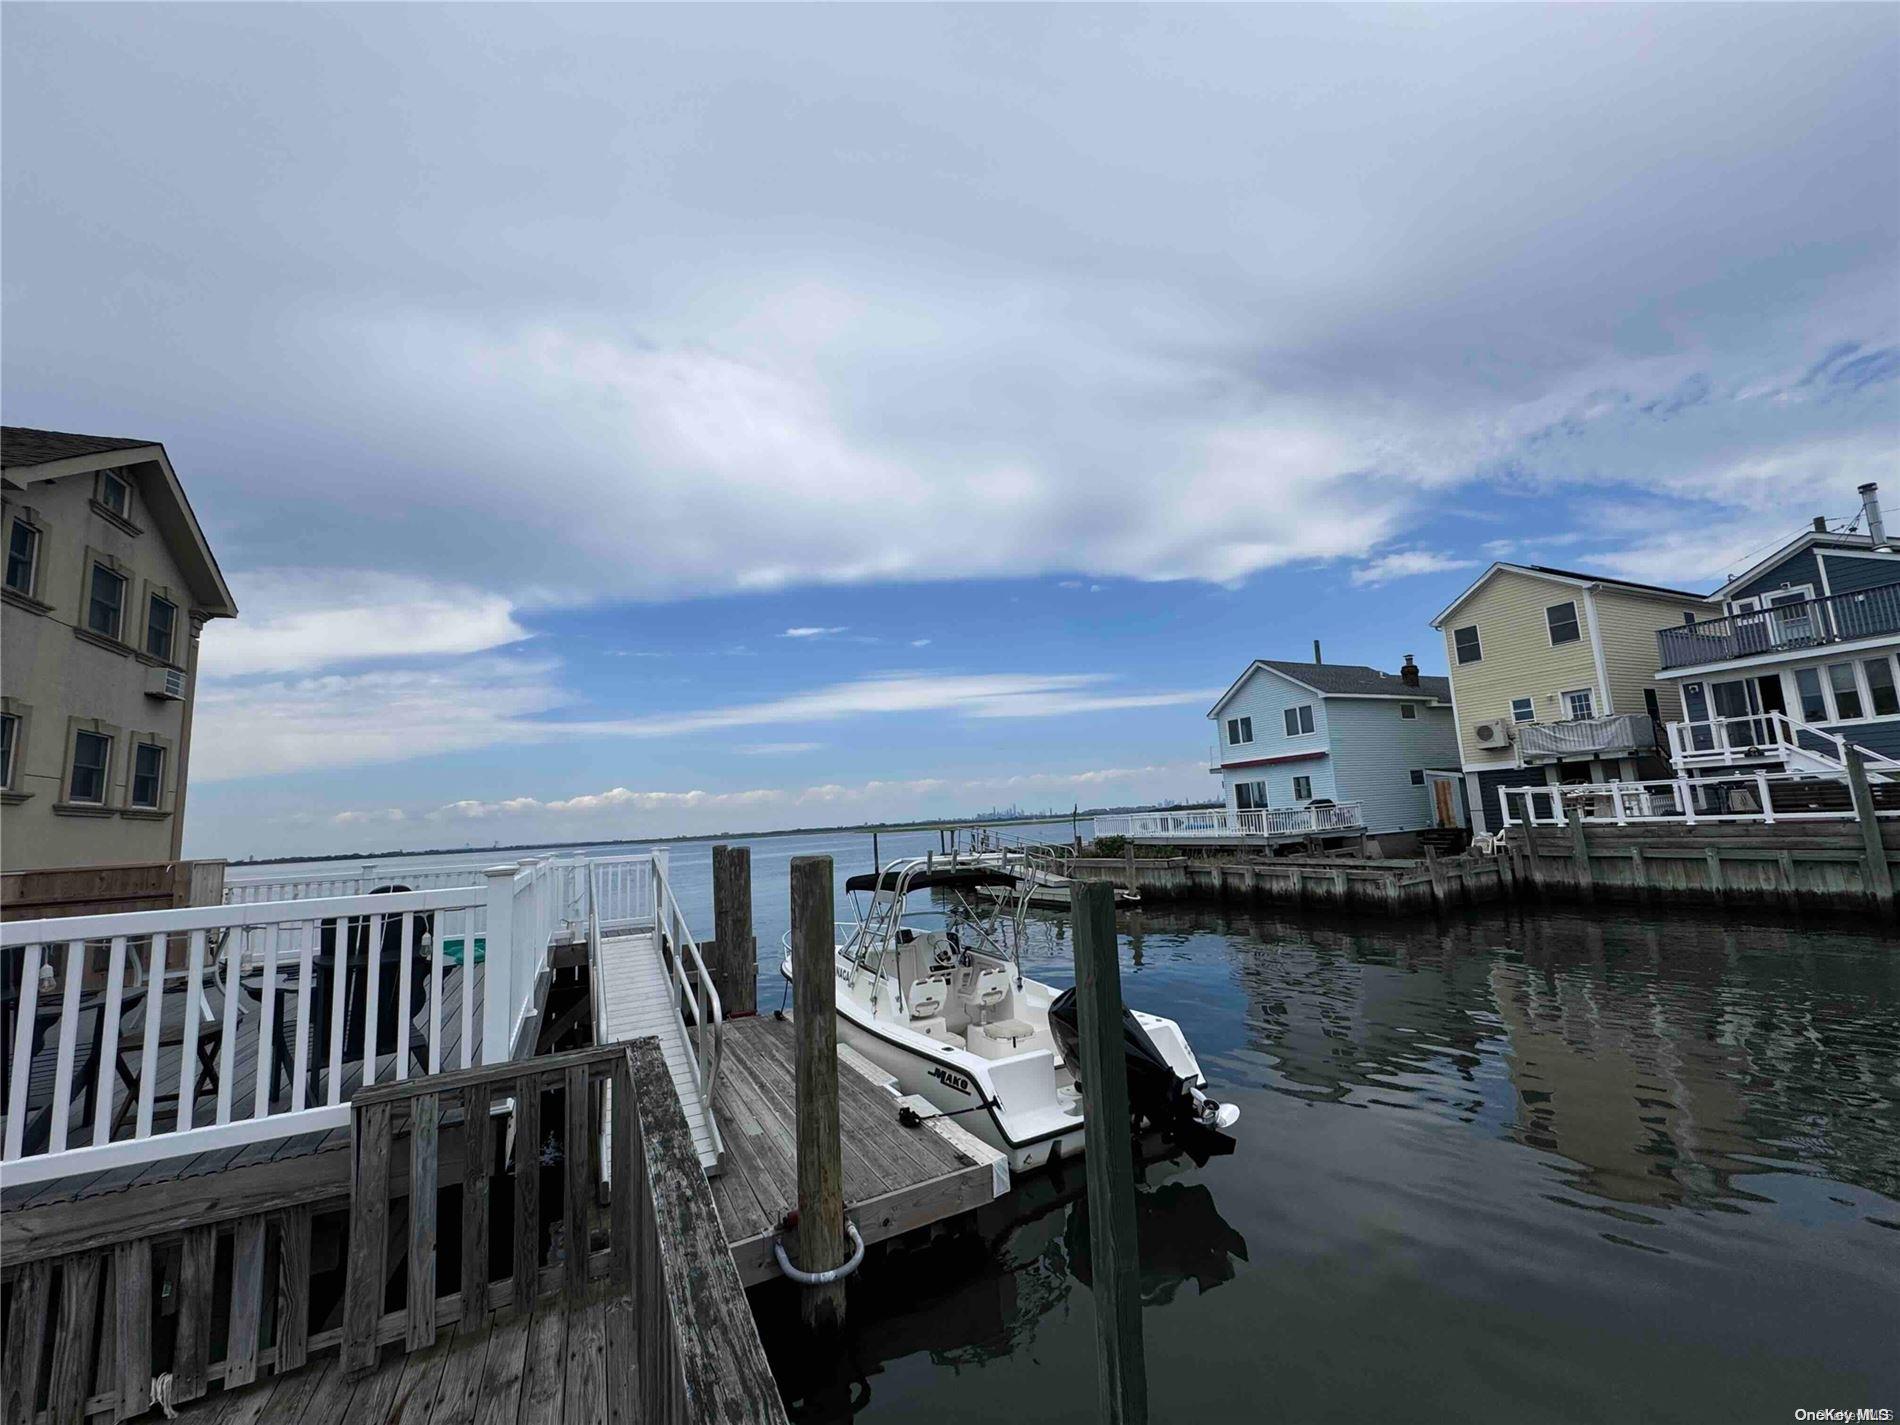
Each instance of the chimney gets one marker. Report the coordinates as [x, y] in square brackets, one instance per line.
[1820, 524]
[1316, 657]
[1870, 502]
[1408, 675]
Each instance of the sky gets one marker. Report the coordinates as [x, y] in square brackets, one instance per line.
[624, 421]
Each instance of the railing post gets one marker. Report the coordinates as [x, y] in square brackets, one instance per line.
[498, 978]
[1685, 792]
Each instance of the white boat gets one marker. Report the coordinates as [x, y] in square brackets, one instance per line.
[938, 999]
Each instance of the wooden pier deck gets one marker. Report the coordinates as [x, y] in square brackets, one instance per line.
[895, 1178]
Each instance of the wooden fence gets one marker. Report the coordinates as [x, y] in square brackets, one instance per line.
[84, 1332]
[103, 890]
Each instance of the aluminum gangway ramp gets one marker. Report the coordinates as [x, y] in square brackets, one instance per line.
[635, 998]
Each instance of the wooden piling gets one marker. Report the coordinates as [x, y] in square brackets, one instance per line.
[1877, 873]
[821, 1242]
[1580, 853]
[735, 966]
[1121, 1371]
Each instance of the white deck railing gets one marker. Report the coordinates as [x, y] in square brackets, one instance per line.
[1767, 737]
[1685, 801]
[1229, 825]
[249, 889]
[135, 1037]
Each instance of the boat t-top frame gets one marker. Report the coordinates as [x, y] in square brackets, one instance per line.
[875, 934]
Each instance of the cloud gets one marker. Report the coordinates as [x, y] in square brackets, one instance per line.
[874, 794]
[811, 632]
[333, 720]
[1404, 564]
[775, 749]
[920, 643]
[298, 619]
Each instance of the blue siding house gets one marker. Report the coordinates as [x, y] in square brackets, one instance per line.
[1805, 657]
[1290, 734]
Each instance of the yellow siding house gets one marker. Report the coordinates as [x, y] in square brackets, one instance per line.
[1554, 679]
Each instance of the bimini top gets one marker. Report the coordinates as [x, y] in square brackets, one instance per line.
[915, 878]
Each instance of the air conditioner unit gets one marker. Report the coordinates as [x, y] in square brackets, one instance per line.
[1494, 733]
[168, 683]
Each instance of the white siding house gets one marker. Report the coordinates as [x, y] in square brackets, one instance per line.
[1289, 734]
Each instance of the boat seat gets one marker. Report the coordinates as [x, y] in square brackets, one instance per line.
[1009, 1030]
[991, 989]
[928, 997]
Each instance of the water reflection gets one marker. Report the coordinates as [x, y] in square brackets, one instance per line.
[981, 1295]
[1662, 1063]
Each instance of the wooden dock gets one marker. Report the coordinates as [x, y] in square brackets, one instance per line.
[895, 1178]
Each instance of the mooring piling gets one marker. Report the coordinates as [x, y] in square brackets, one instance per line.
[1120, 1368]
[735, 967]
[821, 1229]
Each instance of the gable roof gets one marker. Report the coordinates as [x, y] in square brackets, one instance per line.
[1826, 541]
[31, 457]
[22, 448]
[1343, 680]
[1571, 577]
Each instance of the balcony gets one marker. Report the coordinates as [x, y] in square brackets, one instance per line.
[1790, 627]
[1614, 736]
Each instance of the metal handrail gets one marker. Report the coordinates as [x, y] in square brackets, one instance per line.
[670, 926]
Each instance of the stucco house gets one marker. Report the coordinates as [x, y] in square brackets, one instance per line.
[1289, 734]
[1802, 656]
[1554, 679]
[109, 580]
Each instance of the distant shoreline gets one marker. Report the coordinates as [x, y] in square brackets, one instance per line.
[866, 828]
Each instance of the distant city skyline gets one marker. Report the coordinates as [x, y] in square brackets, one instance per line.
[644, 421]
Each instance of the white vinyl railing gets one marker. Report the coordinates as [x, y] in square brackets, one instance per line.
[1767, 736]
[1686, 801]
[156, 1033]
[128, 1038]
[364, 880]
[1269, 822]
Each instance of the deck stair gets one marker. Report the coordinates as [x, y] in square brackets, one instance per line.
[1761, 739]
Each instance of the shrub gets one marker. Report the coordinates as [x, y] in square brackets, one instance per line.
[1111, 845]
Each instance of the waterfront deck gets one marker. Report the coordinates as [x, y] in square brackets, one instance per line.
[895, 1178]
[1279, 826]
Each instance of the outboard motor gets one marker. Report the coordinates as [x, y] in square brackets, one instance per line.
[1156, 1094]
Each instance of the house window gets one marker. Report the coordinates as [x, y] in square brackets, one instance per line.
[1303, 789]
[113, 493]
[1465, 640]
[1562, 619]
[1840, 677]
[1418, 776]
[23, 554]
[105, 609]
[148, 769]
[1578, 704]
[1523, 710]
[1807, 683]
[160, 619]
[1239, 730]
[9, 739]
[1299, 719]
[1880, 687]
[1250, 796]
[91, 754]
[1408, 710]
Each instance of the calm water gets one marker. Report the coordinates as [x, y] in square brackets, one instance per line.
[1562, 1168]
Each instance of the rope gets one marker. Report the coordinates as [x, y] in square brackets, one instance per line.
[162, 1395]
[836, 1274]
